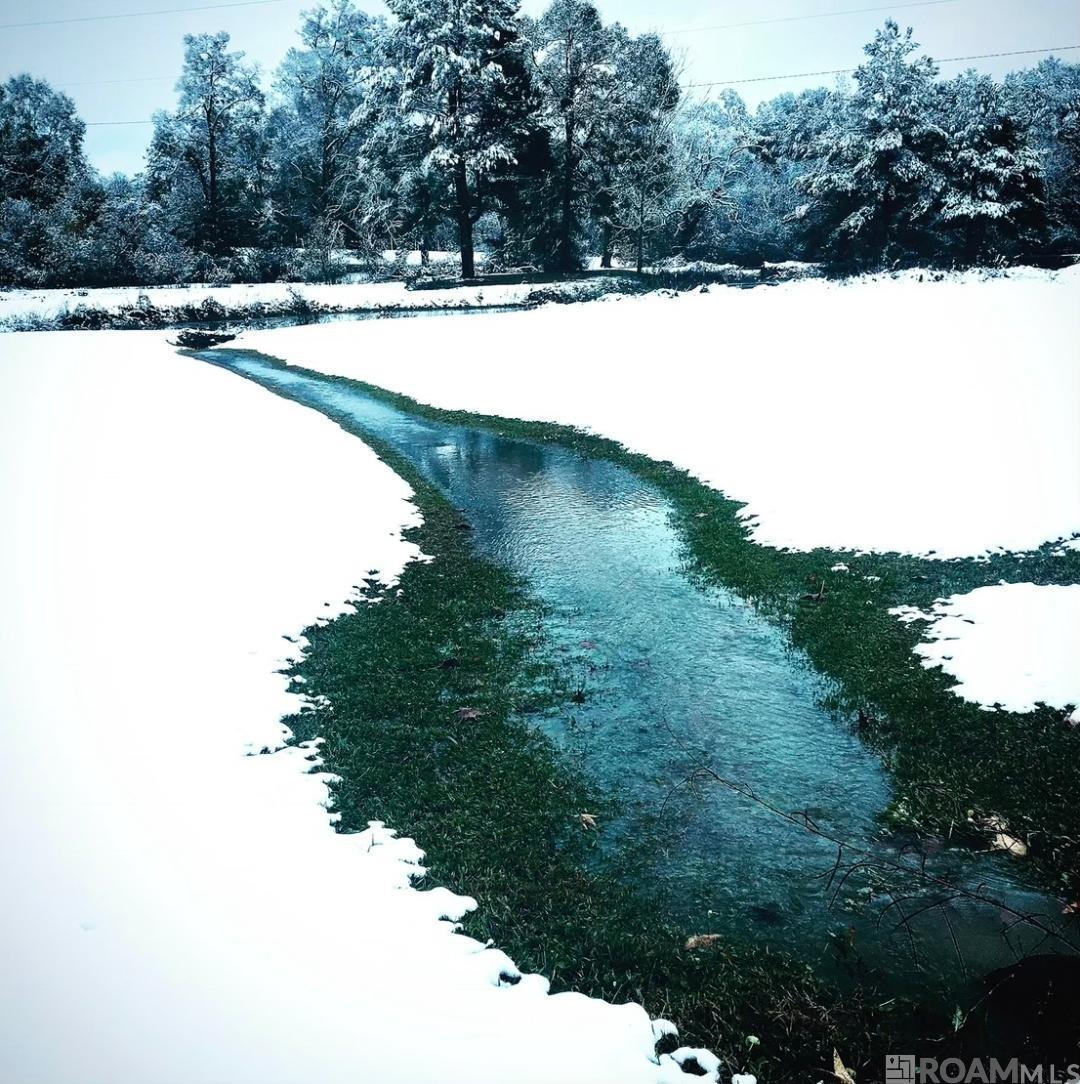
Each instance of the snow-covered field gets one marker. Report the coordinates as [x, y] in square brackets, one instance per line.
[47, 304]
[879, 414]
[1013, 644]
[173, 909]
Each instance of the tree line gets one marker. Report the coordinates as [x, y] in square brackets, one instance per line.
[455, 124]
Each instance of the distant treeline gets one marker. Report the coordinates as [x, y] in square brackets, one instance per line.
[544, 141]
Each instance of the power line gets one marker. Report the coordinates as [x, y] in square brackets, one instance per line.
[139, 14]
[845, 71]
[111, 82]
[802, 18]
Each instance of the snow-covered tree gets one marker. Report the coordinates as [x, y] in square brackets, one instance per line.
[993, 191]
[316, 135]
[47, 192]
[461, 82]
[875, 180]
[712, 142]
[645, 183]
[1046, 100]
[205, 160]
[575, 69]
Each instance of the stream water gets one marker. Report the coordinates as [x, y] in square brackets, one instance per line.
[677, 674]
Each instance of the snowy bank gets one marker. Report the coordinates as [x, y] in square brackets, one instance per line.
[915, 413]
[1016, 645]
[174, 909]
[177, 302]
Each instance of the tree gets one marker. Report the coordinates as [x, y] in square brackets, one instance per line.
[461, 82]
[574, 68]
[875, 177]
[994, 192]
[645, 182]
[47, 190]
[713, 142]
[207, 157]
[128, 241]
[317, 135]
[1046, 101]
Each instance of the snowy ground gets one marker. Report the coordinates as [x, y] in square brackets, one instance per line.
[881, 414]
[175, 910]
[1014, 644]
[47, 304]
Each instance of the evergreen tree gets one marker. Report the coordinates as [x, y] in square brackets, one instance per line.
[575, 70]
[47, 190]
[1046, 101]
[875, 180]
[993, 192]
[462, 83]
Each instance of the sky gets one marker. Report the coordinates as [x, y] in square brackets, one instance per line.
[96, 61]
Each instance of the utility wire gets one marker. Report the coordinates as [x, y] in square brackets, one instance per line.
[112, 82]
[802, 18]
[139, 14]
[755, 79]
[845, 71]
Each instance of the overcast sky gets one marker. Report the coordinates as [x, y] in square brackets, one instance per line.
[80, 57]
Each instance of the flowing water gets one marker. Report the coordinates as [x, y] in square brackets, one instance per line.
[676, 674]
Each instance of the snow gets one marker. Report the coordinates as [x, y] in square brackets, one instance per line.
[173, 909]
[917, 413]
[1013, 644]
[414, 258]
[43, 304]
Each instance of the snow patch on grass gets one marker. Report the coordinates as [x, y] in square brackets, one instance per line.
[1016, 645]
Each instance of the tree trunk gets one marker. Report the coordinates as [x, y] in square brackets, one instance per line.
[641, 236]
[463, 211]
[607, 245]
[212, 170]
[566, 232]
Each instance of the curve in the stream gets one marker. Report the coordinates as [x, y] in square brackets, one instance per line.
[676, 674]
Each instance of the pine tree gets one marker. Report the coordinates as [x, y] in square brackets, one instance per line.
[1046, 101]
[47, 189]
[574, 68]
[462, 83]
[994, 192]
[875, 180]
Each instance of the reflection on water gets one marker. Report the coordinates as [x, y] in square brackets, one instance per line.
[676, 675]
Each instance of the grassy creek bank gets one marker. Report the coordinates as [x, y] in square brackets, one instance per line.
[956, 766]
[425, 701]
[429, 710]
